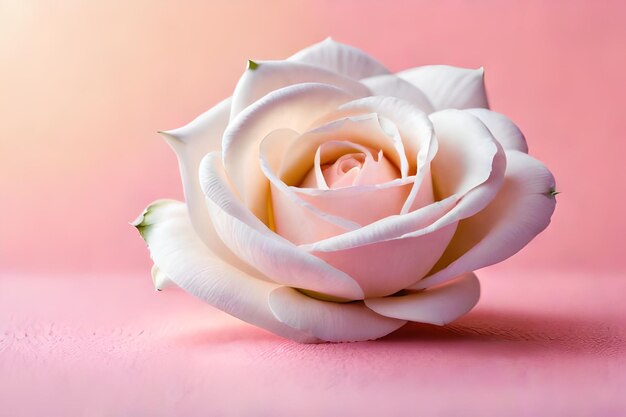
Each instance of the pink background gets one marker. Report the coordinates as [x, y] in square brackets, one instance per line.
[84, 86]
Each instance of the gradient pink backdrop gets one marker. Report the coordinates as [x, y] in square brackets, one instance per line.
[84, 86]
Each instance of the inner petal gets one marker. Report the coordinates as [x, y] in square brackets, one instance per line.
[340, 164]
[335, 178]
[414, 132]
[347, 162]
[344, 172]
[367, 130]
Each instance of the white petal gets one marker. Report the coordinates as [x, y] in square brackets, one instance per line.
[159, 279]
[439, 305]
[426, 219]
[388, 266]
[469, 167]
[502, 128]
[333, 322]
[393, 86]
[294, 107]
[180, 254]
[466, 152]
[521, 210]
[378, 256]
[340, 58]
[362, 205]
[257, 245]
[449, 87]
[191, 142]
[268, 76]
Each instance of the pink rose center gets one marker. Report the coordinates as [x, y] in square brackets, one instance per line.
[340, 164]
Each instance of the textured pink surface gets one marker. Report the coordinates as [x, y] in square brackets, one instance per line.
[532, 347]
[86, 85]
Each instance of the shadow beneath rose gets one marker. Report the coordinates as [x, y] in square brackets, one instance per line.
[237, 334]
[481, 332]
[528, 331]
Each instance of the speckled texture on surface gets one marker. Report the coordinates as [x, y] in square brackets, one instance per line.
[84, 86]
[538, 344]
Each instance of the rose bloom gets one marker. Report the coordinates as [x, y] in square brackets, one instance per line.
[330, 200]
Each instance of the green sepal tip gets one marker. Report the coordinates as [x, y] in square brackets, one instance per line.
[553, 192]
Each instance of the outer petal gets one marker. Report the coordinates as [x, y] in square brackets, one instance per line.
[268, 76]
[334, 322]
[466, 153]
[181, 255]
[257, 245]
[503, 129]
[384, 268]
[191, 143]
[439, 305]
[340, 58]
[521, 210]
[449, 87]
[294, 107]
[159, 279]
[393, 86]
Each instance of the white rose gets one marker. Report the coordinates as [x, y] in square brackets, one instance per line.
[329, 200]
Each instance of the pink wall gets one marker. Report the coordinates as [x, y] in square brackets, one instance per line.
[85, 86]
